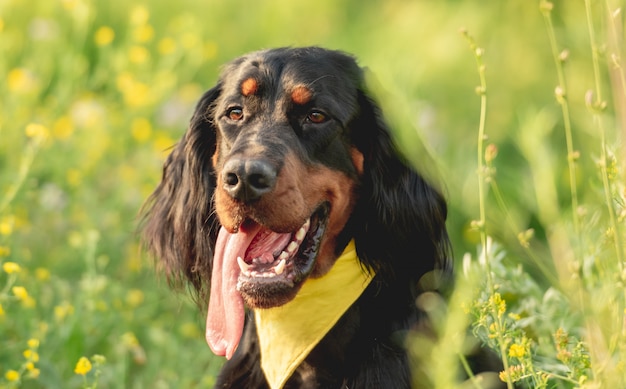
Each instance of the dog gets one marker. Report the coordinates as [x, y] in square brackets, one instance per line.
[287, 169]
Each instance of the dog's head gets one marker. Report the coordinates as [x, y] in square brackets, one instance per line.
[285, 160]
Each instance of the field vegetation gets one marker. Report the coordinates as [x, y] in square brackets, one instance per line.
[519, 107]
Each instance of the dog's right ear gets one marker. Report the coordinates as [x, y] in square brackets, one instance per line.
[178, 223]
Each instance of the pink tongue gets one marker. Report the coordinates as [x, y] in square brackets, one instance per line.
[225, 317]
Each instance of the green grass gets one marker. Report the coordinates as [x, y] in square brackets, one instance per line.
[94, 93]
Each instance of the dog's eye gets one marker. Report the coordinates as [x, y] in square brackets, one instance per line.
[235, 113]
[316, 117]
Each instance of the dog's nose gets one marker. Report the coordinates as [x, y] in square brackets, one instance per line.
[248, 180]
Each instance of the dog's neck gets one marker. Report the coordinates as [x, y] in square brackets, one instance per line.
[288, 333]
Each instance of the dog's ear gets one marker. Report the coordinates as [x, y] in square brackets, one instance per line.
[401, 227]
[178, 216]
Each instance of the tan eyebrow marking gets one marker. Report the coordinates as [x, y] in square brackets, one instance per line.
[249, 86]
[301, 95]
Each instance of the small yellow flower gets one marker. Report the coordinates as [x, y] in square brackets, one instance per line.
[34, 373]
[33, 343]
[20, 292]
[63, 127]
[42, 274]
[104, 36]
[134, 297]
[31, 355]
[141, 129]
[166, 46]
[29, 366]
[36, 130]
[138, 54]
[6, 225]
[517, 351]
[498, 303]
[143, 33]
[11, 267]
[63, 310]
[1, 311]
[12, 375]
[4, 251]
[21, 80]
[83, 366]
[139, 15]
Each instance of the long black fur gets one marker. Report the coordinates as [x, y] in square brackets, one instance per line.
[398, 226]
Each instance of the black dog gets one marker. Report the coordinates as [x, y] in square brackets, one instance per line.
[286, 162]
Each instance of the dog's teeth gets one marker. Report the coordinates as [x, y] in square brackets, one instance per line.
[284, 255]
[300, 234]
[293, 246]
[245, 268]
[280, 268]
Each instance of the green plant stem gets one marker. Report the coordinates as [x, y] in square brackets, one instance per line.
[468, 370]
[596, 107]
[482, 91]
[561, 94]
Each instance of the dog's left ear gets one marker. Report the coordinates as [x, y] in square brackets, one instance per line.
[401, 229]
[178, 224]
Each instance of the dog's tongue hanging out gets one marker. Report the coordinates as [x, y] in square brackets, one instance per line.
[225, 317]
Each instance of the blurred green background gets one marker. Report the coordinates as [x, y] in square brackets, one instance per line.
[94, 93]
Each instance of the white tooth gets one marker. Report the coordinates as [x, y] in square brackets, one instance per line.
[307, 224]
[293, 246]
[245, 268]
[284, 255]
[280, 268]
[300, 234]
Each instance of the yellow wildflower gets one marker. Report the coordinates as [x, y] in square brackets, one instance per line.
[63, 310]
[143, 33]
[6, 225]
[138, 54]
[36, 130]
[517, 351]
[134, 297]
[1, 310]
[20, 292]
[34, 372]
[139, 15]
[42, 274]
[63, 127]
[31, 355]
[11, 267]
[33, 343]
[141, 129]
[498, 303]
[166, 46]
[21, 80]
[104, 36]
[12, 375]
[83, 366]
[4, 251]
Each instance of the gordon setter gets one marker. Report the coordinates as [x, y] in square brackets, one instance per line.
[288, 165]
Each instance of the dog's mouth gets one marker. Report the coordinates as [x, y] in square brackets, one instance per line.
[261, 267]
[274, 263]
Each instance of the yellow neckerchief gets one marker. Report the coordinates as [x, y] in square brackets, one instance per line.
[288, 333]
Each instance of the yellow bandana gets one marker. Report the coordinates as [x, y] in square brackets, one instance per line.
[288, 333]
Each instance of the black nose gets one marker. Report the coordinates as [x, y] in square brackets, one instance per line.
[248, 179]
